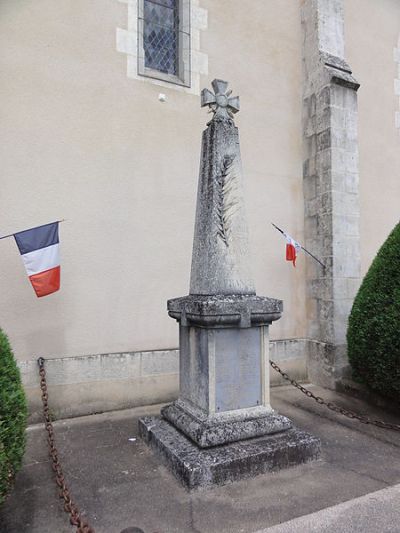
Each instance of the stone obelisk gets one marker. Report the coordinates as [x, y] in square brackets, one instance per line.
[223, 409]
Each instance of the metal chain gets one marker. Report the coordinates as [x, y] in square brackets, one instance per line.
[69, 506]
[350, 414]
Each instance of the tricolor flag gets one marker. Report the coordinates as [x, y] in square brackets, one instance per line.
[292, 249]
[39, 248]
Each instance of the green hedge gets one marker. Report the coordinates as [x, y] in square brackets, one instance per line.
[13, 413]
[373, 335]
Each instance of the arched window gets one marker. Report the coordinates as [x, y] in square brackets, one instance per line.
[164, 40]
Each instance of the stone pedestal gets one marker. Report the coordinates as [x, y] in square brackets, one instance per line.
[222, 426]
[224, 368]
[199, 468]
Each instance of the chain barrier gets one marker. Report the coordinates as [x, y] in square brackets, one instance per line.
[69, 506]
[346, 412]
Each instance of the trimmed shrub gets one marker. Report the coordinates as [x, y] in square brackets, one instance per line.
[373, 335]
[13, 414]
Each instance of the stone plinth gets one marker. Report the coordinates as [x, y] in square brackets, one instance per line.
[219, 310]
[201, 468]
[213, 430]
[224, 368]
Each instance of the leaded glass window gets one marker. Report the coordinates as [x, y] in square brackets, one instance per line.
[160, 35]
[164, 37]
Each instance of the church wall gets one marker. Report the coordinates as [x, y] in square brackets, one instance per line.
[85, 139]
[372, 31]
[81, 140]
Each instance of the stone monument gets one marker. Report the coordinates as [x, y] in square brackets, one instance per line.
[222, 427]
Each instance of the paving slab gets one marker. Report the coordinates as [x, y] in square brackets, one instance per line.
[119, 483]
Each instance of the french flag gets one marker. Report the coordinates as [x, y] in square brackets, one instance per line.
[292, 249]
[39, 248]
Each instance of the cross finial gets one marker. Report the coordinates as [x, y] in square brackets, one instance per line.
[222, 104]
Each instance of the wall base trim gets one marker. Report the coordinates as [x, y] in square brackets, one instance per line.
[89, 384]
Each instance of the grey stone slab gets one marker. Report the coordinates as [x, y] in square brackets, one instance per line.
[194, 382]
[237, 368]
[201, 468]
[288, 348]
[100, 367]
[221, 369]
[216, 430]
[229, 310]
[159, 362]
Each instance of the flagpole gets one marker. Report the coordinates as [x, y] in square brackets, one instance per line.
[313, 256]
[279, 229]
[302, 247]
[12, 234]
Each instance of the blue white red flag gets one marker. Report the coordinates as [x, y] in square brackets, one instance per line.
[39, 248]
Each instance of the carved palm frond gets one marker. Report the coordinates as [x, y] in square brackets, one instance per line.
[226, 198]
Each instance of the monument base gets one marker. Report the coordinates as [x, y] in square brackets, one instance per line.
[203, 467]
[223, 428]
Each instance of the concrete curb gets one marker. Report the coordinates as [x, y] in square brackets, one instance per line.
[377, 511]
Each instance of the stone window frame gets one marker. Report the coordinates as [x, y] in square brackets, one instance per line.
[396, 57]
[126, 41]
[184, 52]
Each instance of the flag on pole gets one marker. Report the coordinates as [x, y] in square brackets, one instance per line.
[292, 249]
[39, 248]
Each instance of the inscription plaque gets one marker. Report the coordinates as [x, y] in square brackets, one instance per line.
[237, 368]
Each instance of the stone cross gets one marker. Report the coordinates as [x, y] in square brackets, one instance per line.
[222, 104]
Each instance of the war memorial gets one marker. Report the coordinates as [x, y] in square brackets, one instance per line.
[239, 378]
[224, 395]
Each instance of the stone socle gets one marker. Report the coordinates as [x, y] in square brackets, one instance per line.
[220, 429]
[201, 468]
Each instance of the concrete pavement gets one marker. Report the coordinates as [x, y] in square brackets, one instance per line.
[378, 511]
[118, 483]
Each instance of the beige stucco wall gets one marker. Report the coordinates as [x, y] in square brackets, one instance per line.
[80, 140]
[372, 32]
